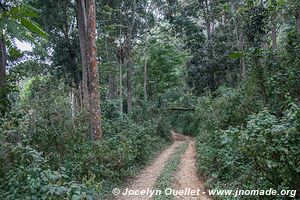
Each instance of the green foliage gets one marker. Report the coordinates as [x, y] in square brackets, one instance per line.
[230, 108]
[263, 154]
[255, 21]
[55, 158]
[128, 143]
[27, 175]
[165, 61]
[246, 122]
[18, 21]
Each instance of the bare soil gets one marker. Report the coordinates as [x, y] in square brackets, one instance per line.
[146, 179]
[186, 175]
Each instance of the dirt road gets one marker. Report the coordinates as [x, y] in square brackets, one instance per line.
[185, 176]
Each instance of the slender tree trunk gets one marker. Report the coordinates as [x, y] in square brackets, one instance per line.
[94, 79]
[111, 76]
[3, 57]
[298, 21]
[129, 59]
[146, 66]
[240, 46]
[72, 101]
[82, 29]
[274, 32]
[3, 87]
[111, 85]
[273, 28]
[129, 84]
[121, 88]
[145, 79]
[207, 19]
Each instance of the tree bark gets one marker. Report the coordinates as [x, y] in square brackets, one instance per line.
[86, 15]
[129, 84]
[274, 32]
[145, 79]
[82, 30]
[129, 59]
[207, 19]
[111, 76]
[3, 58]
[111, 85]
[273, 28]
[94, 79]
[298, 21]
[121, 87]
[3, 86]
[240, 46]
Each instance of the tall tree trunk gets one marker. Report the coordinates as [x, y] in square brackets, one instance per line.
[207, 19]
[240, 47]
[3, 87]
[274, 32]
[298, 21]
[129, 83]
[111, 76]
[121, 88]
[86, 14]
[145, 79]
[111, 85]
[129, 59]
[82, 29]
[94, 79]
[3, 57]
[72, 102]
[273, 28]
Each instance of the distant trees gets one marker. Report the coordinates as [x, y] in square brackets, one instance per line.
[224, 28]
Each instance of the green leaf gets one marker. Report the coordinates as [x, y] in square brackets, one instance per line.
[236, 55]
[24, 11]
[32, 27]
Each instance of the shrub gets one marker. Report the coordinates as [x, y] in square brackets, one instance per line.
[28, 176]
[55, 158]
[264, 154]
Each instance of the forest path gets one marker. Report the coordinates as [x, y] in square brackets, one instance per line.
[186, 176]
[146, 179]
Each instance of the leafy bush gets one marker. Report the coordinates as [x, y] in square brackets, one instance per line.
[264, 154]
[29, 176]
[228, 107]
[55, 158]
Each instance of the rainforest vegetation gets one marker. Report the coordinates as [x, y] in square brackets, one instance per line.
[90, 89]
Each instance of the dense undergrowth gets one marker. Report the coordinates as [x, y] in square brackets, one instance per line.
[260, 153]
[46, 154]
[247, 139]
